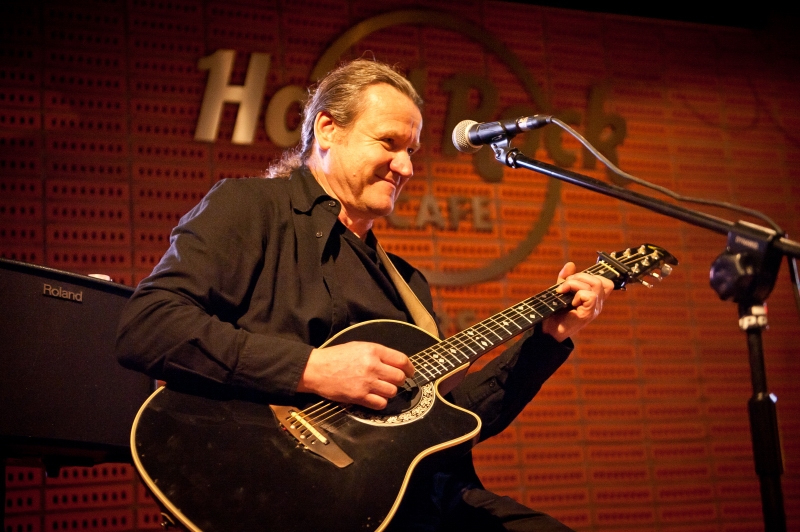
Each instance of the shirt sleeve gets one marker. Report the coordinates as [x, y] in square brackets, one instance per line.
[499, 391]
[179, 325]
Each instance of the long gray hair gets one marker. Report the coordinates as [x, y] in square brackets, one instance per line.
[340, 94]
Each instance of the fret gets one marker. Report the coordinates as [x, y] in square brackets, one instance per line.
[485, 325]
[452, 350]
[501, 325]
[425, 367]
[441, 361]
[472, 332]
[457, 353]
[456, 337]
[470, 342]
[519, 312]
[545, 303]
[441, 356]
[536, 314]
[564, 299]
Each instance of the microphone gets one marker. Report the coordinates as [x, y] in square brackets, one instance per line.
[470, 136]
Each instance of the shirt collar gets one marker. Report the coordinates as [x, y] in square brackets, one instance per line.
[306, 191]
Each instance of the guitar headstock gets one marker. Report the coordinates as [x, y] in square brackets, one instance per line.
[636, 264]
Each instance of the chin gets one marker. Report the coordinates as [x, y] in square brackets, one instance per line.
[381, 206]
[381, 212]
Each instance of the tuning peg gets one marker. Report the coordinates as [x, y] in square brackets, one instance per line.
[645, 283]
[666, 269]
[656, 276]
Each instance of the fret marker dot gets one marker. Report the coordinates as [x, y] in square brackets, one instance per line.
[484, 344]
[453, 351]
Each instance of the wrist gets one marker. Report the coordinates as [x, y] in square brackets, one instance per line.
[554, 329]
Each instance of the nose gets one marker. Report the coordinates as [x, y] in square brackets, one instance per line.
[401, 164]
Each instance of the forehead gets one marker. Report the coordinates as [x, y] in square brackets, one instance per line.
[386, 107]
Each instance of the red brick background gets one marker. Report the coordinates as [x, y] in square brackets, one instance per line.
[645, 427]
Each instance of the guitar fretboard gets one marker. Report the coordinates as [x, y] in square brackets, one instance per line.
[472, 343]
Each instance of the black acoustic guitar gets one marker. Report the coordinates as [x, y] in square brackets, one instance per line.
[223, 465]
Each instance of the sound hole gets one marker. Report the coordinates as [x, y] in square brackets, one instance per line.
[407, 398]
[410, 404]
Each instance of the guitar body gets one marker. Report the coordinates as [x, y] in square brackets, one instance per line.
[229, 465]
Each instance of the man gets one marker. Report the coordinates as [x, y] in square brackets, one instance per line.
[263, 271]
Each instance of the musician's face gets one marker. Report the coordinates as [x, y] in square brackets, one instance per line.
[370, 161]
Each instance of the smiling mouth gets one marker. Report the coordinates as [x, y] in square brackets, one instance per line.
[388, 180]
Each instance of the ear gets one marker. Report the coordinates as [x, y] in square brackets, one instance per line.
[324, 129]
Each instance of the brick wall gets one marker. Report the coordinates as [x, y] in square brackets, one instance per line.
[645, 427]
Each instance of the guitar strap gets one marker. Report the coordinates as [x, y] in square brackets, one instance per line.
[422, 318]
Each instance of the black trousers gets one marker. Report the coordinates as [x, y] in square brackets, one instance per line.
[456, 501]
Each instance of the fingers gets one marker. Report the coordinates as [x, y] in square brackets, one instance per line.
[574, 282]
[589, 293]
[363, 373]
[589, 289]
[566, 271]
[382, 389]
[389, 372]
[375, 402]
[398, 360]
[587, 302]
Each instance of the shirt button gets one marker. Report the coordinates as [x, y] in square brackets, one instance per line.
[319, 234]
[332, 203]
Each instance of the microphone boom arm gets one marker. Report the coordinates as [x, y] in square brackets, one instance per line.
[739, 273]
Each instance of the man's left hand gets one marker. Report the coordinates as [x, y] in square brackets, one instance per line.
[590, 293]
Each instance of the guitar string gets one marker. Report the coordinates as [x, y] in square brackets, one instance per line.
[502, 320]
[509, 316]
[334, 410]
[451, 345]
[305, 415]
[459, 341]
[455, 351]
[330, 409]
[549, 295]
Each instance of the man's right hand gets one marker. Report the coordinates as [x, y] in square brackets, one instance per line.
[362, 373]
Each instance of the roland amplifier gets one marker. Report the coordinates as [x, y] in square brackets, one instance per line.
[63, 396]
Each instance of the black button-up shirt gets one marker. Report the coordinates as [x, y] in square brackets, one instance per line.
[259, 273]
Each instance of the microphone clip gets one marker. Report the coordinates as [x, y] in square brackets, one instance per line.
[504, 152]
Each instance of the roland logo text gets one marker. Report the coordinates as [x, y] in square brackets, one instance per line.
[60, 293]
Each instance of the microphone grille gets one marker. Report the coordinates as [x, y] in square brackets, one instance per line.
[460, 138]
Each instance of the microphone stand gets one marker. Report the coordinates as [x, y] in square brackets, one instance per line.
[745, 272]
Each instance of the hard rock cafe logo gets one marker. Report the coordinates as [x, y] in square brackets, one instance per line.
[604, 131]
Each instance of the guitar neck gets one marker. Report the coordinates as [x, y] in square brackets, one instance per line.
[470, 344]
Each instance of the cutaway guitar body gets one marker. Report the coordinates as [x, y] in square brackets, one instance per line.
[228, 465]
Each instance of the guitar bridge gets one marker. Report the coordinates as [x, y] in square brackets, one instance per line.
[312, 438]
